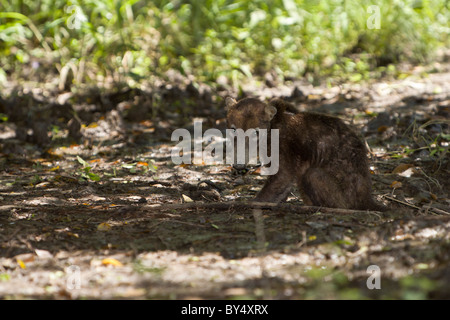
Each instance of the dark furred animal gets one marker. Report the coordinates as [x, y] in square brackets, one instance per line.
[320, 153]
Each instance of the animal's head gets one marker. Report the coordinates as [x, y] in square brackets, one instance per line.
[251, 116]
[249, 113]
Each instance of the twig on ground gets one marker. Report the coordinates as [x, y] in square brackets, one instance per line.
[402, 202]
[435, 210]
[293, 208]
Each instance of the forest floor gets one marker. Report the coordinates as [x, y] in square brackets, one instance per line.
[88, 189]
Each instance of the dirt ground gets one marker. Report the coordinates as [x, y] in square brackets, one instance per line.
[82, 220]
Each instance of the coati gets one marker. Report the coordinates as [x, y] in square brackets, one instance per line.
[320, 153]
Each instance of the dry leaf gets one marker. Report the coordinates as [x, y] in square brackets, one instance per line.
[25, 257]
[186, 198]
[104, 226]
[111, 261]
[401, 236]
[257, 171]
[43, 254]
[402, 167]
[43, 184]
[396, 184]
[21, 264]
[314, 97]
[146, 123]
[73, 235]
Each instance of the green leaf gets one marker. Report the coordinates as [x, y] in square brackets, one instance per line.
[4, 277]
[82, 162]
[14, 15]
[87, 169]
[151, 166]
[93, 176]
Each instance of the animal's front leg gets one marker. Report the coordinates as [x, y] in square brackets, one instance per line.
[277, 187]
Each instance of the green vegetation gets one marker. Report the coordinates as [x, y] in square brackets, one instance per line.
[106, 41]
[86, 171]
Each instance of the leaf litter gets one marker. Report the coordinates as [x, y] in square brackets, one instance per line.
[77, 217]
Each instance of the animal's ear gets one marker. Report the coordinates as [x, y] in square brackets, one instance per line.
[279, 104]
[229, 102]
[271, 111]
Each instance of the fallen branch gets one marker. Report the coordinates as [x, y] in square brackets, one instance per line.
[436, 210]
[232, 205]
[402, 202]
[430, 208]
